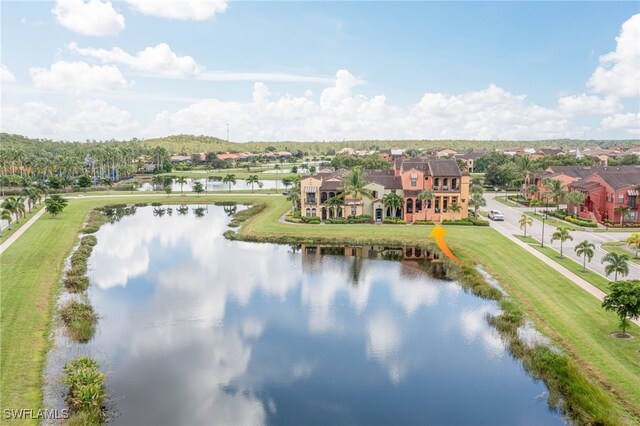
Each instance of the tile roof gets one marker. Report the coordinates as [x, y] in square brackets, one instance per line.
[389, 182]
[444, 168]
[621, 177]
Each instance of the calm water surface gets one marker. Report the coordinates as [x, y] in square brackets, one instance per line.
[215, 185]
[196, 329]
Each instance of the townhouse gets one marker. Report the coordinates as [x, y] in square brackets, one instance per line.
[408, 179]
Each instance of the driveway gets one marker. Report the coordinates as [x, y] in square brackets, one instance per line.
[510, 226]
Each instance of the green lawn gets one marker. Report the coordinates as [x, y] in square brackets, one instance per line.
[621, 248]
[7, 232]
[503, 200]
[240, 175]
[572, 318]
[550, 220]
[526, 239]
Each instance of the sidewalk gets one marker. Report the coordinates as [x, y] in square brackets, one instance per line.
[21, 231]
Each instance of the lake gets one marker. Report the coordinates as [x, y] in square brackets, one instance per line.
[216, 185]
[196, 329]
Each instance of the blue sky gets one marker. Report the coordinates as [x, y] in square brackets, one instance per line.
[321, 70]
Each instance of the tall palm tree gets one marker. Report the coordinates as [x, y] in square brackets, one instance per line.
[616, 263]
[634, 241]
[354, 186]
[524, 222]
[393, 202]
[532, 189]
[334, 203]
[477, 201]
[424, 196]
[623, 210]
[455, 208]
[585, 249]
[157, 180]
[230, 178]
[252, 180]
[107, 182]
[32, 195]
[181, 180]
[6, 215]
[15, 205]
[294, 197]
[558, 191]
[534, 202]
[526, 166]
[562, 234]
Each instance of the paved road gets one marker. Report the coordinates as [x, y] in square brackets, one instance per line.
[510, 226]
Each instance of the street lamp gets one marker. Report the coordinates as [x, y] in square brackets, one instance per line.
[544, 217]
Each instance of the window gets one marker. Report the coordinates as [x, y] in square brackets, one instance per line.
[375, 194]
[437, 204]
[308, 212]
[436, 183]
[428, 204]
[454, 183]
[418, 206]
[621, 198]
[313, 212]
[323, 197]
[632, 202]
[414, 179]
[409, 205]
[444, 205]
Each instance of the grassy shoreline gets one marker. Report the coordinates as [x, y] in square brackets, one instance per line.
[570, 317]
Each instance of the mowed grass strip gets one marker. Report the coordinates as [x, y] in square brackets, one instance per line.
[13, 228]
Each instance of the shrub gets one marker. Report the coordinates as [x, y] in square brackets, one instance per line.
[86, 388]
[465, 222]
[423, 222]
[479, 222]
[580, 222]
[297, 214]
[337, 220]
[114, 206]
[80, 320]
[156, 204]
[243, 215]
[393, 221]
[360, 219]
[141, 204]
[311, 220]
[76, 283]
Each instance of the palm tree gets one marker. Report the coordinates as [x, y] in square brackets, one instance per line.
[181, 180]
[575, 198]
[557, 190]
[107, 182]
[354, 186]
[563, 235]
[526, 166]
[252, 180]
[634, 241]
[585, 249]
[534, 202]
[67, 182]
[393, 202]
[6, 215]
[455, 208]
[477, 201]
[623, 210]
[524, 222]
[334, 203]
[156, 181]
[425, 196]
[15, 205]
[230, 178]
[616, 263]
[294, 197]
[32, 194]
[532, 189]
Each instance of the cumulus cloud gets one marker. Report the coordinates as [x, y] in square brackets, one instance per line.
[78, 77]
[90, 119]
[156, 60]
[584, 104]
[196, 10]
[629, 122]
[618, 73]
[92, 17]
[6, 76]
[340, 113]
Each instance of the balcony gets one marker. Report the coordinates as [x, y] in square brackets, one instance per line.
[311, 201]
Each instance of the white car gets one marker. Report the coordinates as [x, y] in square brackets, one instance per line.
[496, 215]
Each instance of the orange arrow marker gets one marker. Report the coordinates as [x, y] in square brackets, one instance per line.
[438, 233]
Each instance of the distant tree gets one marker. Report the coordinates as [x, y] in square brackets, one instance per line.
[624, 300]
[157, 180]
[561, 234]
[294, 169]
[6, 215]
[425, 196]
[394, 202]
[181, 180]
[67, 182]
[455, 208]
[532, 190]
[55, 205]
[168, 189]
[524, 222]
[634, 242]
[585, 249]
[312, 169]
[354, 186]
[557, 190]
[477, 201]
[198, 188]
[287, 182]
[623, 211]
[616, 264]
[534, 202]
[252, 180]
[107, 182]
[84, 182]
[15, 205]
[230, 179]
[575, 198]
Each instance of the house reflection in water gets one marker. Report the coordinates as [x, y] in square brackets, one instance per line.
[422, 258]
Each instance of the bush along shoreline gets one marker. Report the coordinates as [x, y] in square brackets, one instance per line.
[570, 391]
[85, 382]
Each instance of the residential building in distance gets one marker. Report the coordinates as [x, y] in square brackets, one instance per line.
[408, 178]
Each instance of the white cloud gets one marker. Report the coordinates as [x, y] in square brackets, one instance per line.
[584, 104]
[92, 17]
[157, 60]
[196, 10]
[93, 119]
[619, 71]
[78, 77]
[6, 76]
[629, 122]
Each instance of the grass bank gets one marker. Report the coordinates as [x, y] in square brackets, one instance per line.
[621, 248]
[13, 228]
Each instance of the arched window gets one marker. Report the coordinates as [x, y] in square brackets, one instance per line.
[408, 252]
[313, 212]
[323, 197]
[418, 252]
[308, 212]
[332, 194]
[410, 205]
